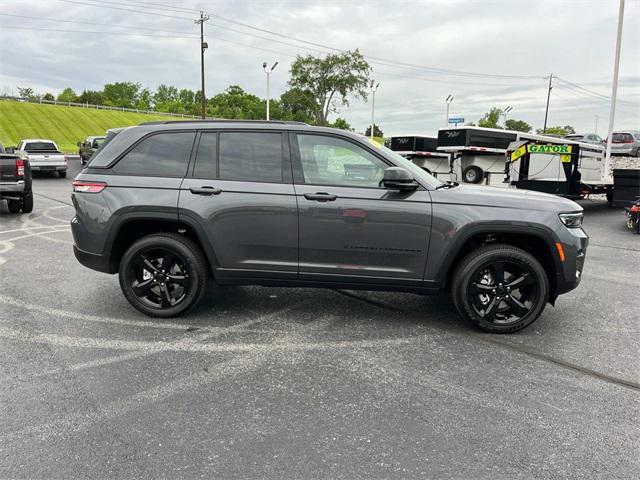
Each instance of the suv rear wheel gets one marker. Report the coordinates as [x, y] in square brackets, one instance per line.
[500, 289]
[163, 275]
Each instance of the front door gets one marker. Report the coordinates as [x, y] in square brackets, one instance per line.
[352, 228]
[241, 194]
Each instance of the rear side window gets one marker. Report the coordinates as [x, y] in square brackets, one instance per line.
[162, 155]
[207, 154]
[251, 157]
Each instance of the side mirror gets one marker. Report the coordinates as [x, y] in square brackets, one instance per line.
[397, 178]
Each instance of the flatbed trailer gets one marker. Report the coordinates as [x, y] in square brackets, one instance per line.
[422, 151]
[557, 165]
[477, 153]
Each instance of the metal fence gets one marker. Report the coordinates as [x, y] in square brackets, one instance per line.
[95, 107]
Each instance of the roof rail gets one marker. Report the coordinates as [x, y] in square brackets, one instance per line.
[218, 120]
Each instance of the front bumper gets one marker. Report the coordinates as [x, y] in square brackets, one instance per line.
[574, 245]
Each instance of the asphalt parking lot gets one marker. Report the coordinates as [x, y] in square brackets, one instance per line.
[276, 383]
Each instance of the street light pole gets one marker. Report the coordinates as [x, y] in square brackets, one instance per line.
[203, 46]
[268, 72]
[374, 86]
[448, 101]
[505, 112]
[614, 87]
[596, 129]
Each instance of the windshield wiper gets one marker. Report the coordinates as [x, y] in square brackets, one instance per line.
[447, 184]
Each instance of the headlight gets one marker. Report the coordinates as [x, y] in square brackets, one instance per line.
[571, 220]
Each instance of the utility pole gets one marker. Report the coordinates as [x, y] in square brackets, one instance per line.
[596, 129]
[546, 112]
[614, 87]
[268, 72]
[203, 46]
[374, 86]
[448, 101]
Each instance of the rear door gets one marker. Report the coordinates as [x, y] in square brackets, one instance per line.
[240, 194]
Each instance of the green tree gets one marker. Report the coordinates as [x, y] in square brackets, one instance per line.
[121, 94]
[491, 119]
[144, 99]
[342, 124]
[67, 95]
[48, 96]
[235, 103]
[165, 99]
[298, 105]
[92, 97]
[331, 80]
[27, 92]
[517, 125]
[376, 131]
[558, 130]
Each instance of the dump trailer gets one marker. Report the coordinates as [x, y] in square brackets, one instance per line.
[477, 153]
[422, 150]
[557, 165]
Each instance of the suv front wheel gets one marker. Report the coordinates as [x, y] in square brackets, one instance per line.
[500, 288]
[163, 275]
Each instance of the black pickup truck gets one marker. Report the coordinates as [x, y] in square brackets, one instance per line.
[15, 182]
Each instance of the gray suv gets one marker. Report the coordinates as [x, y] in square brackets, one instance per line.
[170, 206]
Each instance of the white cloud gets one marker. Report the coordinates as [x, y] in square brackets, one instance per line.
[574, 40]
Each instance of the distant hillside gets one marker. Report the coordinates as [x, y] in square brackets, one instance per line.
[64, 125]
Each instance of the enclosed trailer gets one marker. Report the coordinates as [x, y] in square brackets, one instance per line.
[422, 151]
[477, 153]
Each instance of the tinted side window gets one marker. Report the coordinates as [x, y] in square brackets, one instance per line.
[251, 157]
[332, 161]
[207, 155]
[163, 155]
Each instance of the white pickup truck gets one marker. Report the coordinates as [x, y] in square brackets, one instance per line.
[43, 156]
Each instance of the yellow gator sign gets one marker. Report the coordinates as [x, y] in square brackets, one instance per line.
[563, 150]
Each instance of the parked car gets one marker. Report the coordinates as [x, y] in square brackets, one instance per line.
[44, 156]
[88, 147]
[15, 182]
[167, 205]
[586, 138]
[626, 142]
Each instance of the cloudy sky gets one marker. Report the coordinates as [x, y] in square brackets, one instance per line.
[484, 52]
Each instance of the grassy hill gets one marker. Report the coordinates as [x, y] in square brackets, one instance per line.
[64, 125]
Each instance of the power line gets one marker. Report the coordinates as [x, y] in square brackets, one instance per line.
[392, 63]
[133, 34]
[589, 92]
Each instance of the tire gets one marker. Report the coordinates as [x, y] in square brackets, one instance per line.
[472, 174]
[62, 174]
[14, 206]
[156, 293]
[27, 203]
[476, 284]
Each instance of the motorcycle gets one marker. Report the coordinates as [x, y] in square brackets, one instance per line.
[633, 216]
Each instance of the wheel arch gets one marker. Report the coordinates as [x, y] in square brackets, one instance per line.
[537, 240]
[131, 227]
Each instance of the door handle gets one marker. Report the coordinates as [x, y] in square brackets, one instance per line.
[206, 190]
[320, 197]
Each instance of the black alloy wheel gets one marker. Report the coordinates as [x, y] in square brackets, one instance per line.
[503, 292]
[500, 288]
[159, 277]
[164, 274]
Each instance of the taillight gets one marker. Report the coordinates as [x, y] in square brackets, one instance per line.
[80, 186]
[635, 209]
[19, 167]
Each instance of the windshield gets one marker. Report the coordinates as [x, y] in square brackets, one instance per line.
[40, 147]
[417, 172]
[97, 142]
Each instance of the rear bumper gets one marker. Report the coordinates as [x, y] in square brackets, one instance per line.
[12, 187]
[48, 168]
[92, 260]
